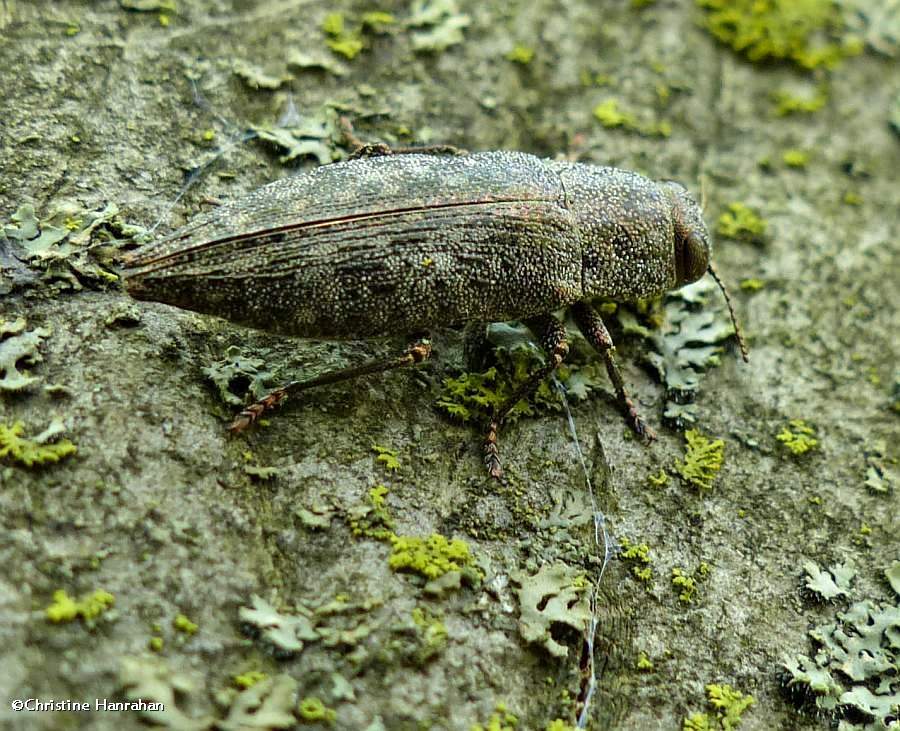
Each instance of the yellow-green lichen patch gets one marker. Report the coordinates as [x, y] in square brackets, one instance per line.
[728, 704]
[18, 350]
[810, 33]
[88, 608]
[611, 116]
[638, 555]
[248, 679]
[742, 223]
[156, 644]
[341, 40]
[33, 452]
[787, 102]
[703, 459]
[500, 720]
[520, 54]
[659, 480]
[312, 709]
[644, 663]
[185, 625]
[795, 158]
[752, 284]
[798, 437]
[686, 584]
[387, 457]
[430, 557]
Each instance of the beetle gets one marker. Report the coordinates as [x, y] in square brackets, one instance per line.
[395, 242]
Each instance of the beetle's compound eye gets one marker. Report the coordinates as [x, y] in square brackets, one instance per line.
[691, 258]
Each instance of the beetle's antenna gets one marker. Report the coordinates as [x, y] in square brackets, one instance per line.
[737, 330]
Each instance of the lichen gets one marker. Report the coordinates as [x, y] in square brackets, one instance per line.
[88, 608]
[387, 457]
[855, 670]
[433, 634]
[315, 135]
[520, 54]
[267, 703]
[237, 374]
[342, 40]
[152, 680]
[312, 709]
[500, 720]
[440, 22]
[182, 624]
[57, 244]
[786, 102]
[689, 342]
[430, 557]
[638, 555]
[830, 583]
[556, 595]
[810, 33]
[741, 223]
[752, 284]
[702, 460]
[798, 437]
[287, 632]
[18, 349]
[686, 584]
[611, 116]
[795, 158]
[728, 707]
[644, 663]
[477, 395]
[33, 452]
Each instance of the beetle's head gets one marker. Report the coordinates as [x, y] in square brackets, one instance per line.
[692, 247]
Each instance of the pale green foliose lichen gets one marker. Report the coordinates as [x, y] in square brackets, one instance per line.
[557, 594]
[855, 670]
[19, 349]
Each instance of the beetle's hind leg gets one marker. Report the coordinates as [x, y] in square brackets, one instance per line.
[419, 351]
[553, 340]
[592, 327]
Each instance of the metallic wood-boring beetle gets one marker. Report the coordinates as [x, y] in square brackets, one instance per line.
[400, 242]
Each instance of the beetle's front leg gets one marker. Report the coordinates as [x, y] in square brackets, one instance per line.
[553, 341]
[591, 325]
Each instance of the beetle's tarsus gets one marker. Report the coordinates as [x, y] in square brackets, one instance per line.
[492, 452]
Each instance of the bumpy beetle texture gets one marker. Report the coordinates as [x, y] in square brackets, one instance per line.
[400, 244]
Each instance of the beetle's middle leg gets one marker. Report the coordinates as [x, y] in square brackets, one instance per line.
[419, 351]
[591, 325]
[553, 340]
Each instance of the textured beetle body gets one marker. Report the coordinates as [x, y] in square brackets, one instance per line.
[399, 244]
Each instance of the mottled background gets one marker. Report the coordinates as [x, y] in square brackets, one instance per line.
[118, 103]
